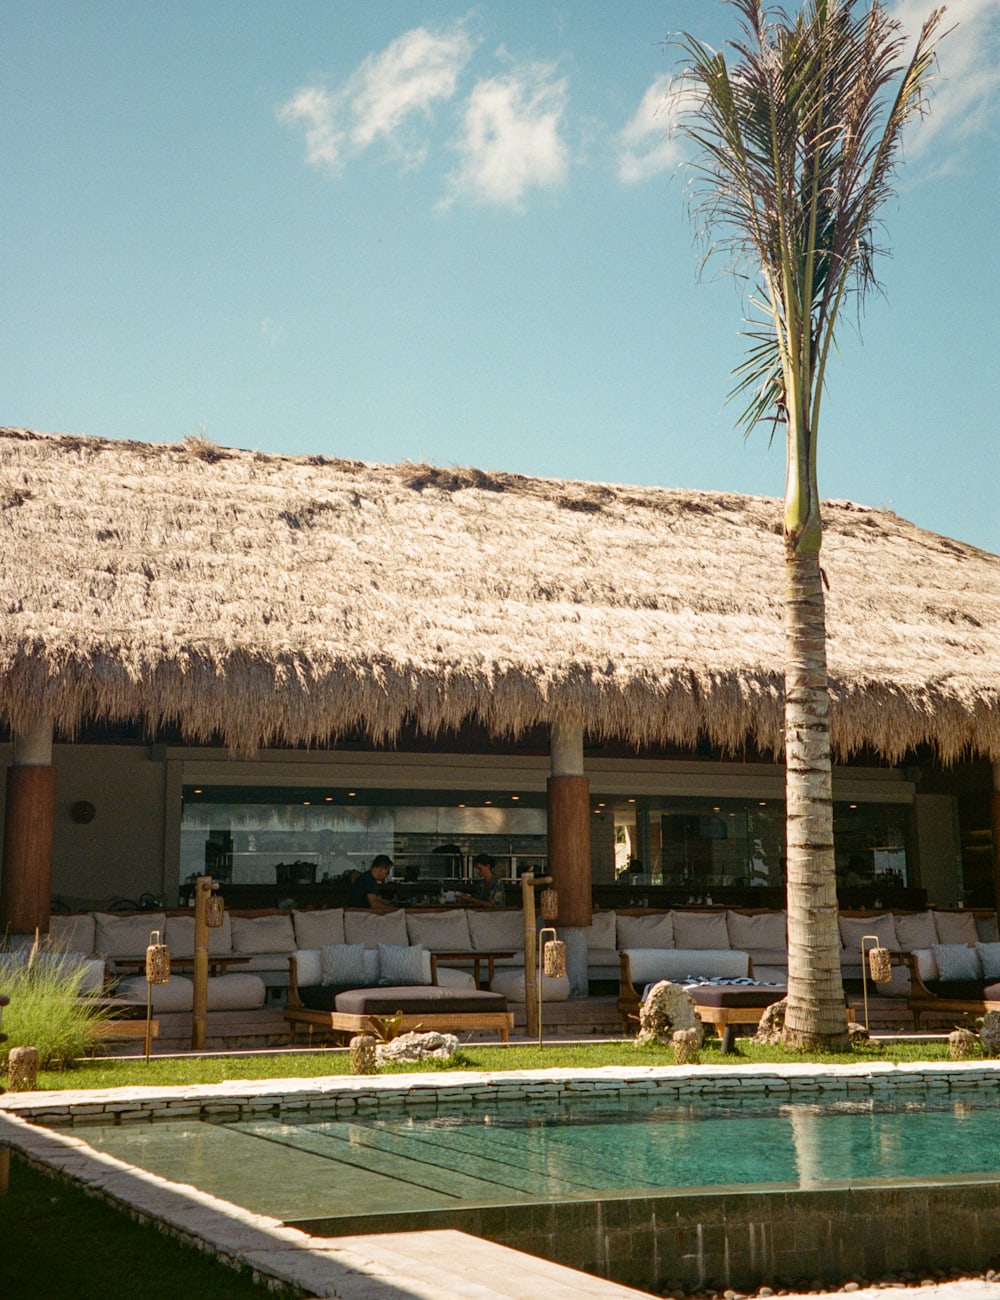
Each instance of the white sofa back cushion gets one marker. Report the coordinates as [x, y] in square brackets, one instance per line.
[649, 964]
[126, 936]
[854, 928]
[73, 933]
[439, 931]
[373, 928]
[764, 931]
[956, 927]
[915, 930]
[495, 930]
[602, 933]
[308, 967]
[263, 934]
[176, 995]
[239, 992]
[179, 936]
[988, 929]
[314, 929]
[555, 988]
[655, 930]
[700, 930]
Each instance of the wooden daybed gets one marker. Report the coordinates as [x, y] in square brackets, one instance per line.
[331, 1011]
[948, 998]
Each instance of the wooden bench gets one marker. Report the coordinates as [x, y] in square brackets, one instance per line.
[339, 1013]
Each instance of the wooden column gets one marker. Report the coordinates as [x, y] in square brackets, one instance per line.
[569, 827]
[28, 833]
[995, 826]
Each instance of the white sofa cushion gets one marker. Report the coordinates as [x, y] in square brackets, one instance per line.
[308, 966]
[511, 984]
[373, 928]
[176, 995]
[126, 936]
[655, 930]
[915, 930]
[649, 964]
[450, 978]
[602, 935]
[403, 964]
[344, 964]
[926, 965]
[989, 960]
[761, 932]
[239, 992]
[73, 933]
[314, 929]
[263, 934]
[988, 929]
[701, 930]
[956, 927]
[854, 928]
[179, 936]
[439, 931]
[497, 931]
[957, 961]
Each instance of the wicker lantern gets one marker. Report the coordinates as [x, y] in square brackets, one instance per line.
[548, 904]
[363, 1057]
[554, 958]
[215, 911]
[880, 964]
[157, 960]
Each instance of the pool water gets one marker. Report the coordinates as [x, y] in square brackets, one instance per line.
[396, 1163]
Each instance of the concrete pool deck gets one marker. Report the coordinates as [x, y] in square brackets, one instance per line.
[431, 1265]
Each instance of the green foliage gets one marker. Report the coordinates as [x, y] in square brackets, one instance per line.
[797, 137]
[166, 1071]
[47, 1011]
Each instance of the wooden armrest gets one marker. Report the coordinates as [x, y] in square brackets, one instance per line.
[293, 984]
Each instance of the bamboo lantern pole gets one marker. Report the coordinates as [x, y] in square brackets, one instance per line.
[203, 888]
[532, 1009]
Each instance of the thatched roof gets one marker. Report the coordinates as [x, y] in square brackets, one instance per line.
[279, 599]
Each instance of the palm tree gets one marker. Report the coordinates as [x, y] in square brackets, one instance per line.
[796, 144]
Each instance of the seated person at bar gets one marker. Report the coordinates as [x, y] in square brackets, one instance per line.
[488, 887]
[367, 889]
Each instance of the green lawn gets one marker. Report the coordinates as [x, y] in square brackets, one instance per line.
[110, 1072]
[58, 1241]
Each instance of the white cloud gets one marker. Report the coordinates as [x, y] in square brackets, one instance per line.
[413, 72]
[964, 93]
[317, 110]
[646, 143]
[409, 76]
[511, 139]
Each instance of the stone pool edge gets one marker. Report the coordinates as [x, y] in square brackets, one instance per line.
[352, 1094]
[356, 1267]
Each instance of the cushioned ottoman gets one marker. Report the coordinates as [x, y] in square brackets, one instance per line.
[337, 1011]
[726, 1005]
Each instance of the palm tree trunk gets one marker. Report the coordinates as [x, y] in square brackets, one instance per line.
[815, 1015]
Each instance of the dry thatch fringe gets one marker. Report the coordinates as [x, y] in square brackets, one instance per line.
[274, 600]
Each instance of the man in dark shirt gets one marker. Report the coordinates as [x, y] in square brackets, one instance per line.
[367, 889]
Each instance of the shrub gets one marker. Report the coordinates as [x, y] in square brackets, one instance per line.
[47, 1008]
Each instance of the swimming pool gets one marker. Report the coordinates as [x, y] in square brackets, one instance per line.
[334, 1169]
[585, 1182]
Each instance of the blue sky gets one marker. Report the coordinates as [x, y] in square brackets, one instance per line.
[402, 231]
